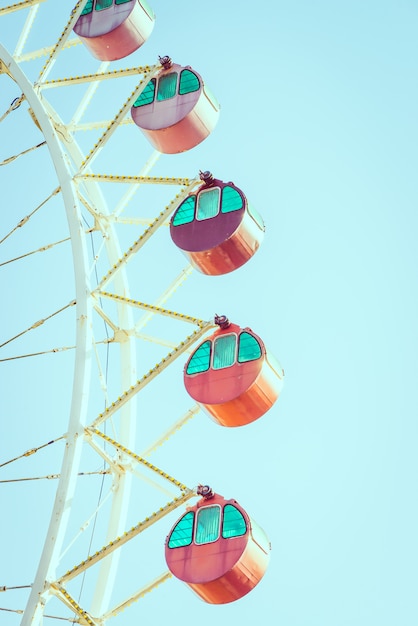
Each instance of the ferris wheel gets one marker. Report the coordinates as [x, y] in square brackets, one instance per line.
[97, 334]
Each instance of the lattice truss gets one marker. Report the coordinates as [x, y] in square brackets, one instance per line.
[125, 335]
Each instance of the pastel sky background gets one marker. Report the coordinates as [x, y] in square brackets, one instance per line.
[318, 127]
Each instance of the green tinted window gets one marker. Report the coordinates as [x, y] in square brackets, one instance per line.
[167, 86]
[224, 351]
[249, 349]
[208, 203]
[207, 524]
[233, 524]
[88, 8]
[231, 200]
[188, 82]
[182, 533]
[200, 359]
[122, 1]
[185, 211]
[147, 95]
[103, 4]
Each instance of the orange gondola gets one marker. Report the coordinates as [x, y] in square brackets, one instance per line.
[113, 29]
[216, 228]
[175, 111]
[217, 549]
[232, 376]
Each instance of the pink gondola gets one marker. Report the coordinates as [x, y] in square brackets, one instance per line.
[232, 376]
[216, 228]
[113, 29]
[175, 111]
[217, 549]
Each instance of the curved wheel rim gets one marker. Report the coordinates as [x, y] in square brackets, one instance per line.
[78, 411]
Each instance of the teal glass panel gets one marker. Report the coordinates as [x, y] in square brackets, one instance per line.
[200, 360]
[256, 216]
[182, 533]
[103, 4]
[188, 82]
[233, 524]
[167, 86]
[122, 1]
[231, 200]
[88, 8]
[224, 351]
[208, 203]
[147, 96]
[207, 524]
[185, 212]
[248, 349]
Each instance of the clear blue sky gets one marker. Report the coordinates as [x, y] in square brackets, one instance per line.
[318, 127]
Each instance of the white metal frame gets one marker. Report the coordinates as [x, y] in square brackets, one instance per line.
[78, 185]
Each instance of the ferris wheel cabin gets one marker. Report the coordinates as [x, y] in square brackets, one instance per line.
[232, 376]
[217, 550]
[216, 228]
[113, 29]
[175, 111]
